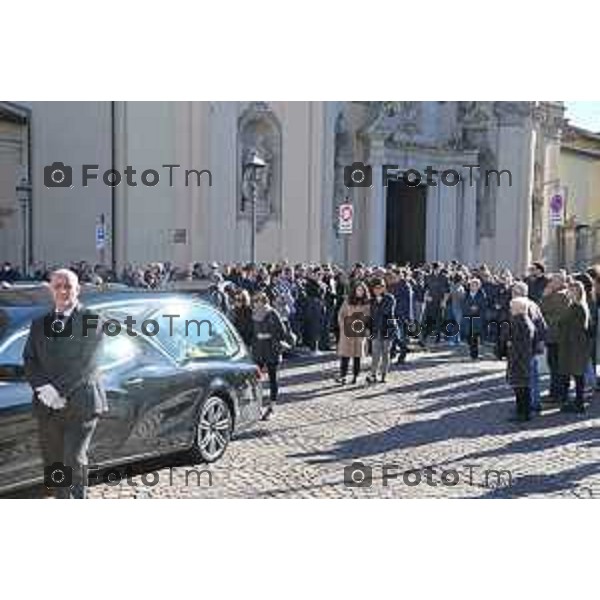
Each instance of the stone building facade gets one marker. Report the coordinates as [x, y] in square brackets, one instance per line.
[306, 147]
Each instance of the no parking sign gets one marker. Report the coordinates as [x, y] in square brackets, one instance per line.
[345, 218]
[557, 208]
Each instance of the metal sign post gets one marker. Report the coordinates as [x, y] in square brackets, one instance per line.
[101, 238]
[345, 225]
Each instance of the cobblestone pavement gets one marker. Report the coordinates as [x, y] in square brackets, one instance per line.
[440, 424]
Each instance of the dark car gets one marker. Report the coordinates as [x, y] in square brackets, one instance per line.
[188, 386]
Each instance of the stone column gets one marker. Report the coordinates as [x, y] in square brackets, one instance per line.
[376, 209]
[447, 220]
[468, 210]
[516, 148]
[432, 222]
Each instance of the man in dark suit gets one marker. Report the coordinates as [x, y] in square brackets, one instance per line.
[474, 305]
[61, 366]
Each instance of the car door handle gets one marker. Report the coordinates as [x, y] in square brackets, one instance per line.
[134, 382]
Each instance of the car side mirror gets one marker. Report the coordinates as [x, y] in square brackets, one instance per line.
[12, 372]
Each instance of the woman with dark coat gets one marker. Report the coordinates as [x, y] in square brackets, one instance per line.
[241, 316]
[268, 339]
[383, 329]
[520, 353]
[590, 295]
[574, 347]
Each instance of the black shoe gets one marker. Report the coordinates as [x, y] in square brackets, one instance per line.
[340, 380]
[383, 379]
[371, 379]
[267, 414]
[354, 379]
[579, 407]
[567, 407]
[401, 359]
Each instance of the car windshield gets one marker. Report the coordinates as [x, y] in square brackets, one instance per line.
[191, 332]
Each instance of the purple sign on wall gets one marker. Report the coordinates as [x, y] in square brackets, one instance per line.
[556, 203]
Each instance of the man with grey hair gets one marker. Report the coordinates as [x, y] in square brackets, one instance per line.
[521, 290]
[60, 359]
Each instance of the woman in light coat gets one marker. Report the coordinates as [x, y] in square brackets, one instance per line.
[353, 318]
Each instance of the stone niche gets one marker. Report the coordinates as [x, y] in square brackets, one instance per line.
[259, 132]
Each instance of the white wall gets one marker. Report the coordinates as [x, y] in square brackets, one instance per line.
[64, 219]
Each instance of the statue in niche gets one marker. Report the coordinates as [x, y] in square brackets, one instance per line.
[264, 175]
[259, 135]
[486, 195]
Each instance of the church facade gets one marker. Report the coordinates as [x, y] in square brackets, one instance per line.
[468, 181]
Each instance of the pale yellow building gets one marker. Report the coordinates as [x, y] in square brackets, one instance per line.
[578, 241]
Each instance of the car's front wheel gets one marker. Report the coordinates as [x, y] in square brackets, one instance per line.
[213, 429]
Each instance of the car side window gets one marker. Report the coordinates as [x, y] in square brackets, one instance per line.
[198, 332]
[11, 350]
[118, 350]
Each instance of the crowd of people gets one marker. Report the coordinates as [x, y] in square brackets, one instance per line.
[388, 311]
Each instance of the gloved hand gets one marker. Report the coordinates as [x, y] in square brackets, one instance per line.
[50, 397]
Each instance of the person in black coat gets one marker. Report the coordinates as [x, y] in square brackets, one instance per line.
[241, 316]
[382, 328]
[403, 294]
[474, 307]
[502, 306]
[590, 295]
[61, 360]
[268, 339]
[573, 347]
[520, 355]
[437, 289]
[314, 310]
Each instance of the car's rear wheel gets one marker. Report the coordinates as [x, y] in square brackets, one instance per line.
[213, 428]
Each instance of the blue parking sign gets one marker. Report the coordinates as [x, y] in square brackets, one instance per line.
[100, 237]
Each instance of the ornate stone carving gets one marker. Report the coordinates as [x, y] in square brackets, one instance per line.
[399, 120]
[472, 114]
[550, 119]
[473, 121]
[513, 113]
[259, 132]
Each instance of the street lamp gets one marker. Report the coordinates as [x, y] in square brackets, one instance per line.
[252, 169]
[24, 198]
